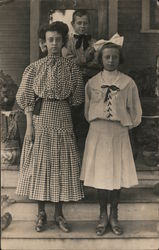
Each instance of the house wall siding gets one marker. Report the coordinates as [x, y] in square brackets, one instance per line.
[140, 49]
[15, 38]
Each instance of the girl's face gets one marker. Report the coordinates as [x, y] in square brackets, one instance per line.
[81, 25]
[53, 42]
[110, 59]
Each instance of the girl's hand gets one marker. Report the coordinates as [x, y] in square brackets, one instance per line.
[29, 135]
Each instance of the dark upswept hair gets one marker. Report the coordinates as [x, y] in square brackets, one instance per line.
[57, 26]
[110, 45]
[80, 13]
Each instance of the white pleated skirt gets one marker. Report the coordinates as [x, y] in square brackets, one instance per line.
[108, 160]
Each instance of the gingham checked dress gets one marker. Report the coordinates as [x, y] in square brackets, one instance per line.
[49, 167]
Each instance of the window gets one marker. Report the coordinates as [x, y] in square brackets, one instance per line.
[154, 15]
[150, 16]
[104, 17]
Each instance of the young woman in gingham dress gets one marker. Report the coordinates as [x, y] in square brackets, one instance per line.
[50, 162]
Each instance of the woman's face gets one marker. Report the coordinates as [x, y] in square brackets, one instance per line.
[110, 58]
[53, 42]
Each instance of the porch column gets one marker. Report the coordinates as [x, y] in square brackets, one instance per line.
[34, 25]
[113, 17]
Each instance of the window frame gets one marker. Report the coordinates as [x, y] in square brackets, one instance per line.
[145, 21]
[111, 21]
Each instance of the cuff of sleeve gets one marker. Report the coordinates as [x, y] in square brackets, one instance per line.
[28, 109]
[135, 124]
[137, 121]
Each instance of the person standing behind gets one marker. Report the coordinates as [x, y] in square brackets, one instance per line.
[80, 49]
[112, 107]
[80, 44]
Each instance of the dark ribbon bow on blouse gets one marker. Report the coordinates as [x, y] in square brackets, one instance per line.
[82, 38]
[52, 59]
[109, 88]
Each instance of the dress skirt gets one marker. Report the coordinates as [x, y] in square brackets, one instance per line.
[49, 167]
[108, 160]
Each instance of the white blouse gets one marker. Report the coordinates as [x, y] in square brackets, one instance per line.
[113, 96]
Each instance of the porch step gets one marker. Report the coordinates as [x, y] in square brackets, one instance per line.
[138, 235]
[135, 204]
[147, 177]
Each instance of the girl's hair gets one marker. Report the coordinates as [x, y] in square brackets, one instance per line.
[57, 26]
[80, 13]
[110, 45]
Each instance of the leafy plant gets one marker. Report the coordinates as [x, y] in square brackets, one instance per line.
[6, 218]
[146, 81]
[8, 90]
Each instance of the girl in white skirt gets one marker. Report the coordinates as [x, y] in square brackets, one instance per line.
[50, 162]
[112, 107]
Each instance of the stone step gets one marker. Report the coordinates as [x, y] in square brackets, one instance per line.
[86, 211]
[135, 204]
[147, 178]
[138, 235]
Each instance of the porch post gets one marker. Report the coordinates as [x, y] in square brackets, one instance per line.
[34, 25]
[102, 19]
[113, 17]
[145, 15]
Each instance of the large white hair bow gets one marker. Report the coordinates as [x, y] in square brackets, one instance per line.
[116, 39]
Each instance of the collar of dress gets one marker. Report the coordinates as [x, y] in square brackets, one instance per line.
[115, 78]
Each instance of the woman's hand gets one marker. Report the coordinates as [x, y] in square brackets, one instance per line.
[29, 135]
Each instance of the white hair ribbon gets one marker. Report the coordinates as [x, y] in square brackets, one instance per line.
[116, 39]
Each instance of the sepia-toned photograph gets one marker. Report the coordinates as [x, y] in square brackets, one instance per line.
[79, 95]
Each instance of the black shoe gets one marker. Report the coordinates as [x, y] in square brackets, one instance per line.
[62, 224]
[41, 222]
[102, 225]
[114, 223]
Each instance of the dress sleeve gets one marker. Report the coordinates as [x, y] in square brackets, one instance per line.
[25, 95]
[68, 51]
[77, 96]
[134, 105]
[73, 54]
[87, 101]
